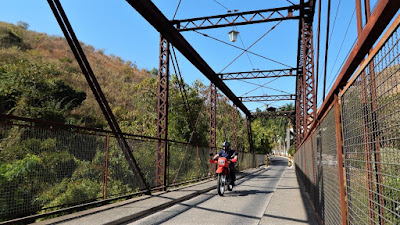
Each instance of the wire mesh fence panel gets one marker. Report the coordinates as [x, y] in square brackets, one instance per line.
[319, 180]
[314, 195]
[330, 170]
[299, 164]
[203, 163]
[371, 125]
[183, 163]
[309, 162]
[246, 161]
[121, 179]
[46, 169]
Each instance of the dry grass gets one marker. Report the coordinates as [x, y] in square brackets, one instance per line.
[116, 77]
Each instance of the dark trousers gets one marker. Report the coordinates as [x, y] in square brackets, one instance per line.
[232, 171]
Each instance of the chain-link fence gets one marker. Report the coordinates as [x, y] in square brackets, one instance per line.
[371, 137]
[365, 118]
[46, 167]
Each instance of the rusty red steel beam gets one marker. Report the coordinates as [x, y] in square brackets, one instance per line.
[162, 114]
[265, 98]
[274, 114]
[234, 127]
[339, 150]
[158, 20]
[50, 125]
[305, 85]
[237, 19]
[212, 124]
[384, 11]
[258, 74]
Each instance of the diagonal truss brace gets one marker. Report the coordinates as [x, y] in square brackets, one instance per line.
[80, 56]
[258, 74]
[265, 98]
[236, 19]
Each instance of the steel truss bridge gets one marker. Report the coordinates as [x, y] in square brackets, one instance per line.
[354, 107]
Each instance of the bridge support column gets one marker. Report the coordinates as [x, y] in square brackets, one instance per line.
[250, 134]
[162, 114]
[305, 83]
[213, 122]
[234, 127]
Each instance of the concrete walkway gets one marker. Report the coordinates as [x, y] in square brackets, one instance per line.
[285, 206]
[288, 205]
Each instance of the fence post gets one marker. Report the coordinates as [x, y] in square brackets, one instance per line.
[340, 161]
[105, 174]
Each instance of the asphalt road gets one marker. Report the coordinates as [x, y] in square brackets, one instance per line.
[246, 204]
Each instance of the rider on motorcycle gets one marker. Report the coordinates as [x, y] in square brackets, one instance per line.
[230, 155]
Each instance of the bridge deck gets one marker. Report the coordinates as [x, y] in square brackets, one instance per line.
[262, 196]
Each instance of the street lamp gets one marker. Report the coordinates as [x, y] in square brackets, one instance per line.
[233, 35]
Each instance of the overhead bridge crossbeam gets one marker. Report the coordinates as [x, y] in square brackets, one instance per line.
[158, 20]
[258, 74]
[236, 19]
[274, 114]
[265, 98]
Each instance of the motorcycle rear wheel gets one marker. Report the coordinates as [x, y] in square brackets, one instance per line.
[221, 182]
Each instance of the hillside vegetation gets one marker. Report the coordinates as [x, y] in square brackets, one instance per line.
[41, 79]
[29, 59]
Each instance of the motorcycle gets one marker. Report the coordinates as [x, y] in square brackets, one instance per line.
[223, 174]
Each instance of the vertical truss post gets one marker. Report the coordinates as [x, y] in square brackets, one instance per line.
[234, 127]
[305, 84]
[250, 134]
[213, 121]
[250, 137]
[310, 108]
[162, 114]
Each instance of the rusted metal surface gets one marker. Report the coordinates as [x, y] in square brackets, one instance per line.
[370, 107]
[250, 134]
[162, 113]
[369, 124]
[234, 127]
[305, 83]
[257, 74]
[213, 123]
[265, 98]
[289, 114]
[29, 122]
[237, 19]
[339, 148]
[80, 56]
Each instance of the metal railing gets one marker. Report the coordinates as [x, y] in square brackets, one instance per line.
[350, 162]
[46, 168]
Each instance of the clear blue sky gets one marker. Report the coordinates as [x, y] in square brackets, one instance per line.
[118, 29]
